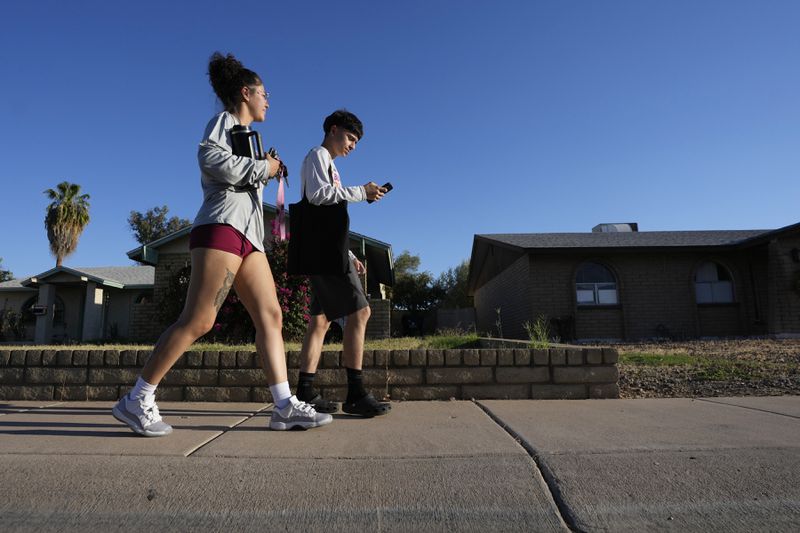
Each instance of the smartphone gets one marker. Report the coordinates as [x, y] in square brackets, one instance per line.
[387, 186]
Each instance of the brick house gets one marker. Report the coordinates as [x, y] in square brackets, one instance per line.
[170, 254]
[619, 283]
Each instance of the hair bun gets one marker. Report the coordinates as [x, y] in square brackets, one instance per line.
[223, 71]
[227, 76]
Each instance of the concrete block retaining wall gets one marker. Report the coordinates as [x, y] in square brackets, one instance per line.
[555, 373]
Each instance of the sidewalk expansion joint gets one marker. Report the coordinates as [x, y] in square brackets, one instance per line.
[709, 400]
[550, 479]
[221, 433]
[25, 410]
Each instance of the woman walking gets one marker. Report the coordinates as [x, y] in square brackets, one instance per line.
[227, 250]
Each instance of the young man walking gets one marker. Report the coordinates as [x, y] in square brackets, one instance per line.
[339, 295]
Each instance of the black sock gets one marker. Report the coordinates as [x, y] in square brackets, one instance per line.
[355, 385]
[305, 386]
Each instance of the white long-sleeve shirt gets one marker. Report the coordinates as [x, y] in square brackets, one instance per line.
[321, 181]
[322, 185]
[232, 185]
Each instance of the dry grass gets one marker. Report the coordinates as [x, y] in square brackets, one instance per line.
[737, 367]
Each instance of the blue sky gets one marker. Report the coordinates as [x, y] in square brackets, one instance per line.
[488, 117]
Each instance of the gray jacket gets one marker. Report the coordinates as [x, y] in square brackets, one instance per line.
[232, 185]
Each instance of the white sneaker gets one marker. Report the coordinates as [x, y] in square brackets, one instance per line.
[297, 414]
[142, 417]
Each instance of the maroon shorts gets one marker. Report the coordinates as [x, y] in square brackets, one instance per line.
[220, 237]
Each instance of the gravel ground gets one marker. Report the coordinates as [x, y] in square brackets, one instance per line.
[736, 367]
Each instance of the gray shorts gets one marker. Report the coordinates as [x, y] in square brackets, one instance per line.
[337, 296]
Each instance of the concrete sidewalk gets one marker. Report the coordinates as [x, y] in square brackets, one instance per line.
[722, 464]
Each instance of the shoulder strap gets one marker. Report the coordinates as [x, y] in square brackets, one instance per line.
[303, 183]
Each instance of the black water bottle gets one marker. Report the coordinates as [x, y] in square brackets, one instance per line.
[246, 142]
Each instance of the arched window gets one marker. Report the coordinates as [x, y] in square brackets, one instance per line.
[595, 285]
[713, 284]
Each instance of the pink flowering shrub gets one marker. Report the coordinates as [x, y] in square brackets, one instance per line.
[233, 323]
[294, 292]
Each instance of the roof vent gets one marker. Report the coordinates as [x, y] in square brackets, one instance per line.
[627, 227]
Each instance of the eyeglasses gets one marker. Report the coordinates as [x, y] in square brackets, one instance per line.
[264, 94]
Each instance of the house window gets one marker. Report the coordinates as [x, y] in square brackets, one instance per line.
[595, 285]
[713, 284]
[28, 317]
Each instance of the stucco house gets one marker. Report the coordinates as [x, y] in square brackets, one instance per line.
[616, 282]
[67, 304]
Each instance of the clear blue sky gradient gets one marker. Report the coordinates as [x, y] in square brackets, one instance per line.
[488, 117]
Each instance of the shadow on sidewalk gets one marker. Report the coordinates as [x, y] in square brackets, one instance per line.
[56, 433]
[75, 410]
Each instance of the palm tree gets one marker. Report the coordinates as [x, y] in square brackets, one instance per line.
[67, 215]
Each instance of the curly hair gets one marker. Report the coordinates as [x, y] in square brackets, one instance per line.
[227, 76]
[343, 119]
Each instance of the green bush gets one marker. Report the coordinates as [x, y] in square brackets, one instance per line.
[12, 326]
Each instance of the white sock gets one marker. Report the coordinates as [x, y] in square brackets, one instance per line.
[143, 389]
[281, 394]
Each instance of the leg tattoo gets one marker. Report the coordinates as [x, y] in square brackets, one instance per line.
[223, 291]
